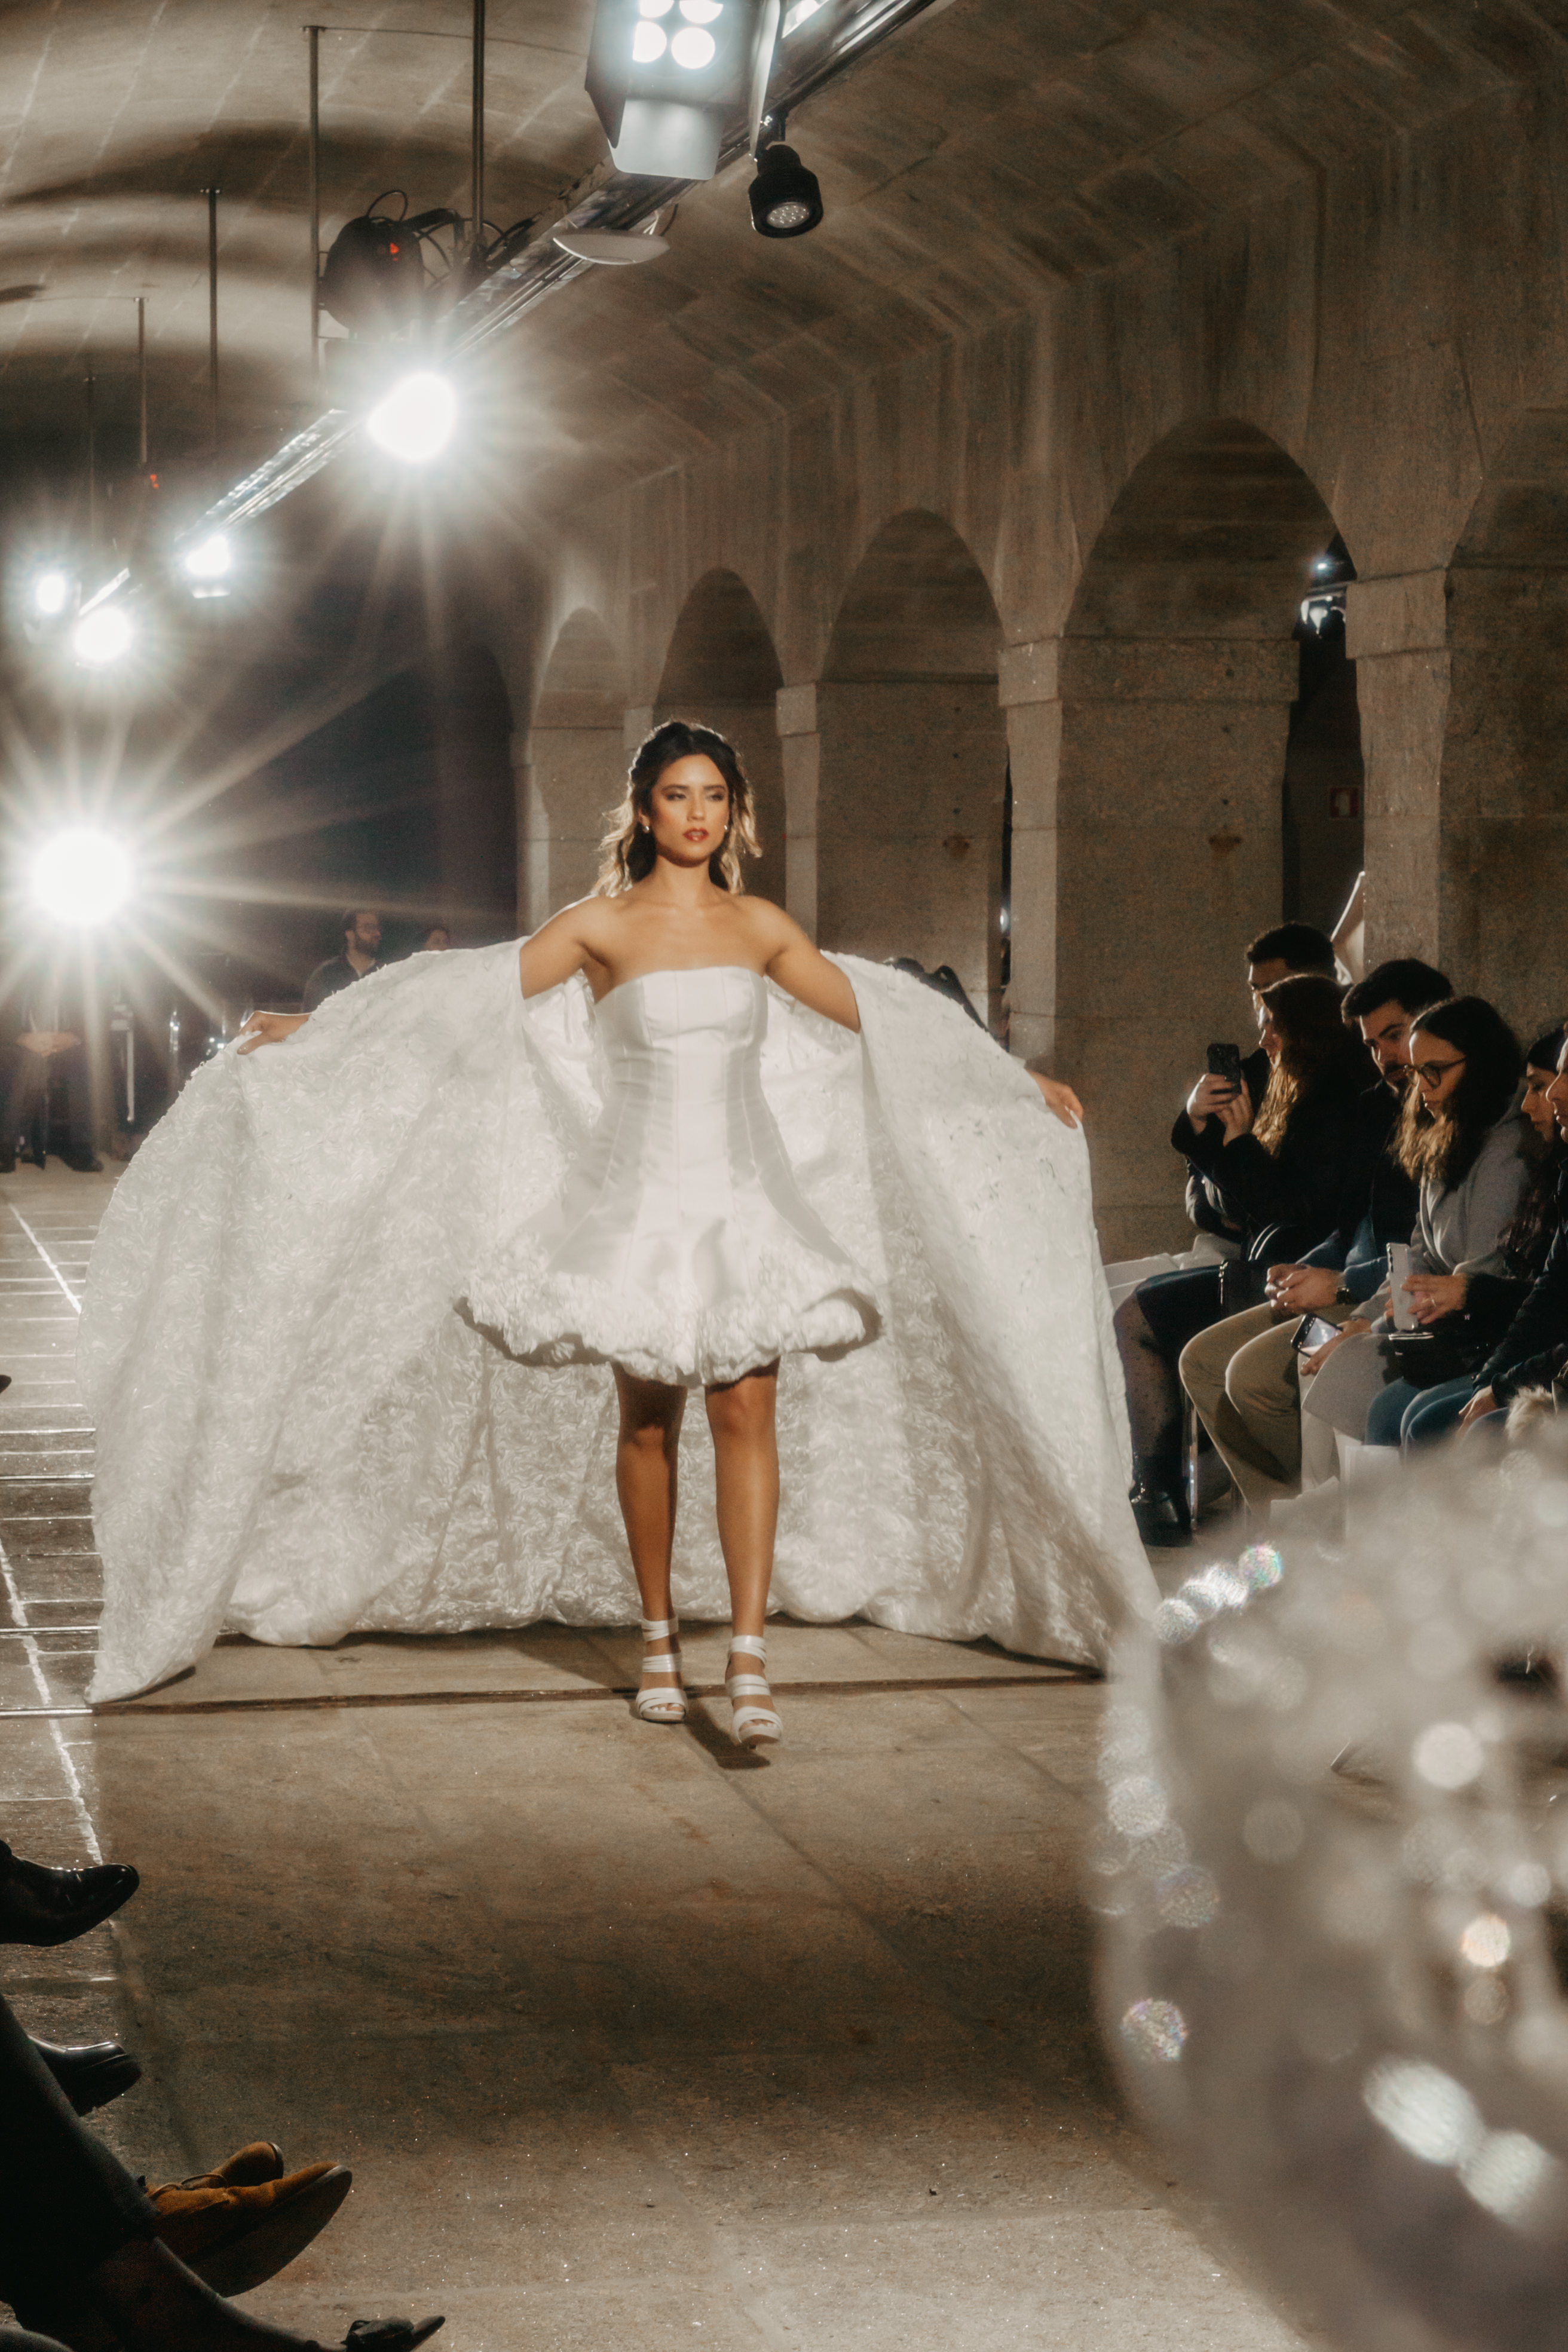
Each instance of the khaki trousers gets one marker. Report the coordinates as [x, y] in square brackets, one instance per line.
[1241, 1375]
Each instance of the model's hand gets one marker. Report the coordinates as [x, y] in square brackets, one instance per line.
[1319, 1355]
[1236, 1115]
[1207, 1097]
[1480, 1404]
[1059, 1099]
[1433, 1296]
[270, 1029]
[1302, 1290]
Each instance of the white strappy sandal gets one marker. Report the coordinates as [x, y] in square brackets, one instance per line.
[753, 1727]
[663, 1702]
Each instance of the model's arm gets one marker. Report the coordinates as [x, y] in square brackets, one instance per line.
[560, 947]
[804, 973]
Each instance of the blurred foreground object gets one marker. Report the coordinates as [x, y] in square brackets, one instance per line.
[1334, 1868]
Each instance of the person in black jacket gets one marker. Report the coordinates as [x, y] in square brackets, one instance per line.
[1277, 1167]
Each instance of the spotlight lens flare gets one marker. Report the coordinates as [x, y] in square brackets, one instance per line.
[647, 43]
[51, 593]
[693, 49]
[81, 877]
[416, 419]
[211, 559]
[102, 635]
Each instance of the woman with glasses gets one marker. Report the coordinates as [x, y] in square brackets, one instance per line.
[1462, 1139]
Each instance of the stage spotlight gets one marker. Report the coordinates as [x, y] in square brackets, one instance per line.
[210, 559]
[81, 877]
[416, 419]
[785, 197]
[102, 635]
[665, 77]
[51, 594]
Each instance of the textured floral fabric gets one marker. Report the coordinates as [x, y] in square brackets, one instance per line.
[303, 1430]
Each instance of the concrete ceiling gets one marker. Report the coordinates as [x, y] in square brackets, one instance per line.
[996, 150]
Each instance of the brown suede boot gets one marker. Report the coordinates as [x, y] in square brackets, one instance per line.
[247, 2168]
[235, 2234]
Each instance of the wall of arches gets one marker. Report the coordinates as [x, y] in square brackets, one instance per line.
[1069, 550]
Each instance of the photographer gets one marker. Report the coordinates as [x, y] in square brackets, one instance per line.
[1276, 1168]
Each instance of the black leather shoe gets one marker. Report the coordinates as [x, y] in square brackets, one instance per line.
[1161, 1517]
[52, 1907]
[91, 2074]
[83, 1163]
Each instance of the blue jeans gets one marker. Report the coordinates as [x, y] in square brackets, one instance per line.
[1406, 1416]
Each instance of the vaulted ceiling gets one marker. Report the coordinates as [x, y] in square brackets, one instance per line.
[994, 149]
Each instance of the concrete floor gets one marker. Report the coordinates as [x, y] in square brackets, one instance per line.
[628, 2038]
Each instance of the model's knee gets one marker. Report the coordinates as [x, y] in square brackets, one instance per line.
[741, 1416]
[654, 1438]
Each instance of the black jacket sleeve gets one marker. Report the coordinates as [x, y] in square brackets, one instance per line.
[1300, 1185]
[1540, 1325]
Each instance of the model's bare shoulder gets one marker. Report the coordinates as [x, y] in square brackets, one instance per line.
[573, 941]
[768, 926]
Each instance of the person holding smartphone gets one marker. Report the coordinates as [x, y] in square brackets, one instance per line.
[1276, 1165]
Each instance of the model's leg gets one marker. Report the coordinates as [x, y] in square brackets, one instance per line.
[746, 1460]
[647, 1453]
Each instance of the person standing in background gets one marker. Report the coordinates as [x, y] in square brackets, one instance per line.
[361, 954]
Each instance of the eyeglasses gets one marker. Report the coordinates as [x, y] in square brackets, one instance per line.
[1432, 1074]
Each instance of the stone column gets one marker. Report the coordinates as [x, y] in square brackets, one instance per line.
[575, 772]
[802, 747]
[1026, 687]
[1396, 632]
[1168, 802]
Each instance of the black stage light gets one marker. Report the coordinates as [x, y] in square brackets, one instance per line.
[785, 197]
[665, 77]
[375, 277]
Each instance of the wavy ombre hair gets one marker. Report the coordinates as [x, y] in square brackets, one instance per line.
[627, 853]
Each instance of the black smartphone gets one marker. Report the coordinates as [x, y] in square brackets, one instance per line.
[1315, 1332]
[1224, 1062]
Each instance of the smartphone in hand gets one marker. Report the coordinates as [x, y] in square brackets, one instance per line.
[1224, 1062]
[1315, 1333]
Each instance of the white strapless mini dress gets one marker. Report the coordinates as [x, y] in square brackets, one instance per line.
[679, 1246]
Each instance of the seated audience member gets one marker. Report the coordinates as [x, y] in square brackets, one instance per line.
[436, 942]
[1479, 1331]
[80, 2255]
[1275, 1166]
[1282, 953]
[1460, 1136]
[1241, 1373]
[1277, 955]
[1533, 1351]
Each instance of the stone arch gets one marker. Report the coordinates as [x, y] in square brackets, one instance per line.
[1495, 835]
[577, 768]
[1178, 671]
[912, 760]
[721, 670]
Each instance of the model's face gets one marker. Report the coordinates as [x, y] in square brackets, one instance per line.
[1261, 976]
[1557, 1093]
[1537, 1105]
[366, 933]
[688, 810]
[1387, 1036]
[1438, 1067]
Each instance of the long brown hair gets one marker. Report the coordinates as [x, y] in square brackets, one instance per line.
[1442, 1151]
[1314, 1046]
[627, 853]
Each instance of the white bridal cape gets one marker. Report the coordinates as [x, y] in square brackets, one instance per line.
[302, 1431]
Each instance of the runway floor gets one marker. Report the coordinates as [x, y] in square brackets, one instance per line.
[628, 2037]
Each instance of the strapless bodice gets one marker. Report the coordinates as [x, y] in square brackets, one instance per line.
[680, 1245]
